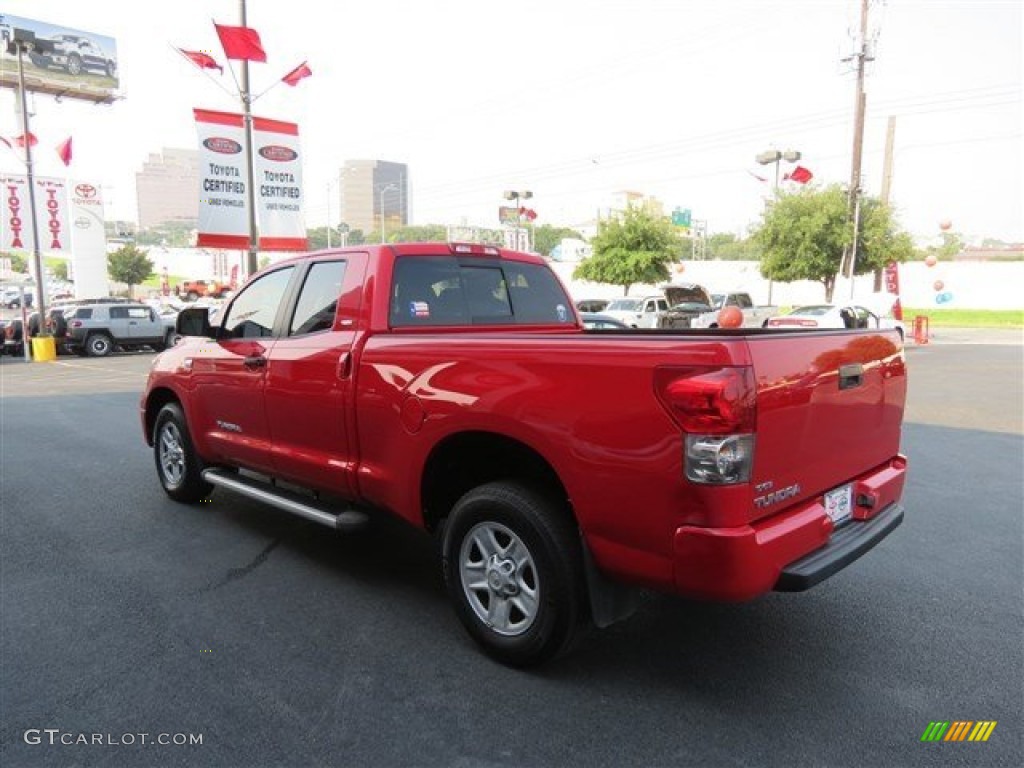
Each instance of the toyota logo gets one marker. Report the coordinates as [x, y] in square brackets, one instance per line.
[88, 191]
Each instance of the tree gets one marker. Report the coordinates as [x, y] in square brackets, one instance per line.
[635, 247]
[130, 265]
[546, 237]
[18, 262]
[727, 247]
[804, 235]
[59, 268]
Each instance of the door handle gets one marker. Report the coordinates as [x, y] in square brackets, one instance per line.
[344, 365]
[851, 376]
[255, 361]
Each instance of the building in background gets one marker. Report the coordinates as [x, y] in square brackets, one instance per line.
[372, 189]
[167, 188]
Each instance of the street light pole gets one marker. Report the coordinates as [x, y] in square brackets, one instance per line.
[515, 196]
[774, 156]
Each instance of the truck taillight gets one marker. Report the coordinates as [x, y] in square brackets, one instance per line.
[76, 323]
[710, 400]
[716, 407]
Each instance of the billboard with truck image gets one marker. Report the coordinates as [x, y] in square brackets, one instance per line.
[59, 61]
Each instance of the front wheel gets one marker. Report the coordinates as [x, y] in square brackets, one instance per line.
[74, 65]
[177, 464]
[514, 573]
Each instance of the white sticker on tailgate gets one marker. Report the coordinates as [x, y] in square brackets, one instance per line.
[839, 504]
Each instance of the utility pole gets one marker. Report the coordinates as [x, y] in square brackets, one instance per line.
[862, 57]
[890, 140]
[253, 264]
[21, 47]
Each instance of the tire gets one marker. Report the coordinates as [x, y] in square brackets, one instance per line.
[99, 345]
[178, 466]
[111, 69]
[74, 65]
[514, 573]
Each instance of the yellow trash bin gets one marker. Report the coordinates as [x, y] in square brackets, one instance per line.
[44, 349]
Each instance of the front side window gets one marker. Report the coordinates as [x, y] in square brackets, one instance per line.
[318, 300]
[252, 313]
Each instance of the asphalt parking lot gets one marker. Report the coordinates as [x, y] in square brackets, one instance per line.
[279, 643]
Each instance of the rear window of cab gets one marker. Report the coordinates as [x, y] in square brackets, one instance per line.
[448, 290]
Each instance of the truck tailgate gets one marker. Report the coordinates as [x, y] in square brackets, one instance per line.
[829, 407]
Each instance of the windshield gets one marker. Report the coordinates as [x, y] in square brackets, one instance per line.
[822, 309]
[624, 305]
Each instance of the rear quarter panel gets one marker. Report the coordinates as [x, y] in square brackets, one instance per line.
[585, 403]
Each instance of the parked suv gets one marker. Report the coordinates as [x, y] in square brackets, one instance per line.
[98, 329]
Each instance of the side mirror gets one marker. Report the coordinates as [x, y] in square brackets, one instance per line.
[194, 321]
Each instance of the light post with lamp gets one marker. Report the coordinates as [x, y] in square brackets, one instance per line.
[380, 196]
[515, 196]
[775, 156]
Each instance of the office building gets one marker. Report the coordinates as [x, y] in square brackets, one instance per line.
[167, 188]
[374, 192]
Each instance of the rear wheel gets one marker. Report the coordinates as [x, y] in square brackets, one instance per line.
[177, 464]
[514, 572]
[99, 345]
[74, 65]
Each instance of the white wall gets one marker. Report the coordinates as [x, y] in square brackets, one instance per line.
[973, 285]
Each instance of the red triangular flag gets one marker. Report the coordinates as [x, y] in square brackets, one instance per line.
[301, 71]
[242, 43]
[19, 141]
[64, 150]
[201, 60]
[800, 175]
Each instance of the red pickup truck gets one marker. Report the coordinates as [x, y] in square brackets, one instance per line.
[453, 385]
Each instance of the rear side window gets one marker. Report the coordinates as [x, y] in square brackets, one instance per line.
[318, 300]
[119, 313]
[448, 291]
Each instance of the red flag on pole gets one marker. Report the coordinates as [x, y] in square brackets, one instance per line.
[201, 60]
[19, 141]
[301, 71]
[242, 43]
[64, 150]
[800, 175]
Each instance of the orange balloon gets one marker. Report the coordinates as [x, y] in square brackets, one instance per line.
[938, 285]
[730, 317]
[945, 224]
[931, 261]
[680, 268]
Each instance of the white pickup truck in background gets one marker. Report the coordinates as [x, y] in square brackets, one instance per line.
[753, 316]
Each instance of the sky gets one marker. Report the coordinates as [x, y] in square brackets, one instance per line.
[576, 100]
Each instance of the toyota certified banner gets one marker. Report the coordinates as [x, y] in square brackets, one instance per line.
[223, 196]
[51, 215]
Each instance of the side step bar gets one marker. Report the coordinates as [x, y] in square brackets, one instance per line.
[348, 520]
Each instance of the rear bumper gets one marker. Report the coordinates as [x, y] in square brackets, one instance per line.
[846, 545]
[790, 551]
